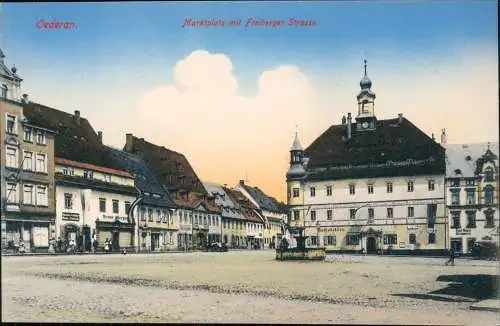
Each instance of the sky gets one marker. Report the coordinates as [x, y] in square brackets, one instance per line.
[230, 98]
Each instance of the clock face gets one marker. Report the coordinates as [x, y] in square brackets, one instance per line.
[365, 125]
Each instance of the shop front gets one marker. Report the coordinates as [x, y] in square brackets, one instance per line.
[120, 234]
[34, 235]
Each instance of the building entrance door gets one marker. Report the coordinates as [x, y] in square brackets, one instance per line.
[155, 241]
[87, 241]
[456, 244]
[371, 245]
[115, 240]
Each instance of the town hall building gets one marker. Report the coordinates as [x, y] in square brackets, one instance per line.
[369, 185]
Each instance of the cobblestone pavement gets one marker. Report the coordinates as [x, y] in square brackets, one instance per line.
[237, 287]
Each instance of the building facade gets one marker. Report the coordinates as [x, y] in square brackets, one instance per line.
[369, 185]
[472, 194]
[272, 211]
[26, 171]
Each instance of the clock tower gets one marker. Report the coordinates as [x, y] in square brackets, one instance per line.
[366, 119]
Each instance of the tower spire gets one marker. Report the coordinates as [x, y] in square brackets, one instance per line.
[365, 62]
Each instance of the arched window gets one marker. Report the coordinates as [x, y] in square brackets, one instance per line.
[4, 91]
[489, 174]
[488, 194]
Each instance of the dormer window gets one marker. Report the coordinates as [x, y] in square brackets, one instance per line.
[107, 178]
[40, 138]
[11, 126]
[489, 175]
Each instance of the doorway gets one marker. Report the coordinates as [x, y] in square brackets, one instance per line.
[87, 240]
[155, 241]
[115, 240]
[371, 245]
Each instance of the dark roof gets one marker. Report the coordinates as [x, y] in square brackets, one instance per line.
[392, 149]
[144, 176]
[166, 162]
[76, 141]
[74, 181]
[264, 201]
[246, 207]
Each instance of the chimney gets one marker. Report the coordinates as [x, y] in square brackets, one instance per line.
[433, 138]
[400, 117]
[25, 99]
[443, 137]
[99, 135]
[242, 182]
[343, 120]
[349, 125]
[129, 144]
[77, 117]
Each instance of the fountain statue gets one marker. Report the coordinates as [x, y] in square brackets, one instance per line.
[300, 252]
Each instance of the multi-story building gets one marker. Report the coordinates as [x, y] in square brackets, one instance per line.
[250, 232]
[196, 213]
[92, 192]
[274, 215]
[472, 194]
[26, 170]
[369, 184]
[155, 207]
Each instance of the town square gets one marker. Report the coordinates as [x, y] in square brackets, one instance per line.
[319, 162]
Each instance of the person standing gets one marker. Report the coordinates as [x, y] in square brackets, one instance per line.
[451, 260]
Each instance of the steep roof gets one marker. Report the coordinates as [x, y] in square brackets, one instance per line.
[264, 201]
[394, 148]
[75, 138]
[165, 163]
[247, 208]
[462, 159]
[144, 177]
[121, 173]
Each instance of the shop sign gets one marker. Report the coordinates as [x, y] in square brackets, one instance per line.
[40, 236]
[334, 229]
[68, 216]
[463, 231]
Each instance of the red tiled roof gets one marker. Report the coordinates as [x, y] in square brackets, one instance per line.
[102, 169]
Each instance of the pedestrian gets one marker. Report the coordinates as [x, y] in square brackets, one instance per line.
[451, 260]
[22, 249]
[106, 245]
[52, 246]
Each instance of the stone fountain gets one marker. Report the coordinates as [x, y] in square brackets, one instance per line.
[283, 252]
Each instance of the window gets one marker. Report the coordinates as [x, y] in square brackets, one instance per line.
[313, 215]
[455, 197]
[68, 170]
[410, 186]
[28, 161]
[102, 205]
[143, 214]
[150, 214]
[352, 213]
[390, 212]
[490, 222]
[455, 182]
[431, 215]
[488, 195]
[28, 134]
[370, 188]
[431, 185]
[390, 239]
[455, 220]
[352, 240]
[295, 192]
[411, 212]
[488, 174]
[471, 220]
[371, 213]
[296, 215]
[313, 191]
[41, 163]
[41, 198]
[68, 201]
[40, 138]
[389, 187]
[158, 215]
[28, 195]
[4, 91]
[11, 159]
[469, 182]
[127, 207]
[432, 238]
[328, 190]
[115, 206]
[352, 189]
[413, 238]
[329, 214]
[11, 127]
[87, 174]
[470, 197]
[314, 241]
[330, 240]
[107, 178]
[12, 195]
